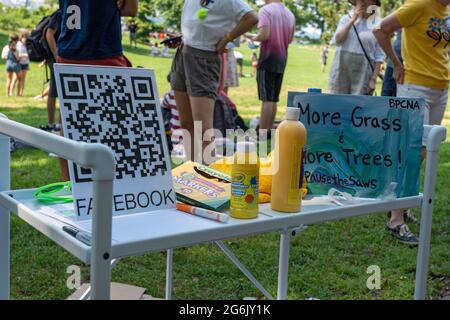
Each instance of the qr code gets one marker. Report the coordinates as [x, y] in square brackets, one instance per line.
[118, 110]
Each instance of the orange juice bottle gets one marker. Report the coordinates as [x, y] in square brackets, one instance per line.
[287, 179]
[244, 202]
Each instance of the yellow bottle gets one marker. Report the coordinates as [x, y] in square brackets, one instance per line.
[244, 202]
[288, 164]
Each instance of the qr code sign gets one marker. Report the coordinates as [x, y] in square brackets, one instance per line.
[119, 110]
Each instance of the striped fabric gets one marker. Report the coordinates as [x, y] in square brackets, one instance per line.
[169, 103]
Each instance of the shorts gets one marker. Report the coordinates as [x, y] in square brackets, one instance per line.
[269, 85]
[133, 36]
[435, 102]
[196, 72]
[350, 74]
[53, 92]
[25, 66]
[115, 61]
[13, 67]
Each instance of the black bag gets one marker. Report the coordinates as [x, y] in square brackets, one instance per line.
[238, 121]
[37, 47]
[223, 116]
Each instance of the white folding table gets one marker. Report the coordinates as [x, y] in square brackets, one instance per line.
[114, 238]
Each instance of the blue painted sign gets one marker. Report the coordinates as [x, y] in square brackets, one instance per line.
[367, 146]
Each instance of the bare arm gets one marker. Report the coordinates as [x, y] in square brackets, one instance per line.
[16, 54]
[383, 34]
[128, 8]
[342, 35]
[50, 37]
[291, 38]
[244, 25]
[373, 79]
[263, 34]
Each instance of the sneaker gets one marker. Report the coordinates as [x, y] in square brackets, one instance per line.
[57, 127]
[410, 217]
[403, 234]
[48, 127]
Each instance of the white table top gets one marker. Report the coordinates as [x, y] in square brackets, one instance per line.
[161, 230]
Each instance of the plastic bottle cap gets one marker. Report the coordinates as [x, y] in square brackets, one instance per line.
[293, 114]
[246, 147]
[314, 90]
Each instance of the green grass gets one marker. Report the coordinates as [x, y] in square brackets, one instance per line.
[328, 261]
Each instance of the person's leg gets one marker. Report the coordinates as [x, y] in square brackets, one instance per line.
[19, 76]
[268, 114]
[202, 74]
[438, 104]
[9, 80]
[202, 113]
[268, 107]
[398, 216]
[52, 94]
[434, 113]
[22, 84]
[13, 84]
[186, 122]
[241, 67]
[51, 108]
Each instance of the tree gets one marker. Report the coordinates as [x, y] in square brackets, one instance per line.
[322, 14]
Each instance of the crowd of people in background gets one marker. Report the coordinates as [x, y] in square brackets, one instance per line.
[206, 61]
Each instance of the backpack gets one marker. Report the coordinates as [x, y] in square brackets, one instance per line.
[37, 47]
[223, 116]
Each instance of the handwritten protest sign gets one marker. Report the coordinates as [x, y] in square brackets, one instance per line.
[367, 146]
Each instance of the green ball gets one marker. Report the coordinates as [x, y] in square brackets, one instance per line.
[202, 13]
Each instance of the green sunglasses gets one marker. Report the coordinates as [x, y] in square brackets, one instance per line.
[48, 193]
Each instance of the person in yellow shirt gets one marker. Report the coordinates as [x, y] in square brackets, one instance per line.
[424, 72]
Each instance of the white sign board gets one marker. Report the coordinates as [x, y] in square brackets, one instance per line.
[118, 107]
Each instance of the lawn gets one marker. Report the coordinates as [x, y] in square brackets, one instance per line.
[328, 261]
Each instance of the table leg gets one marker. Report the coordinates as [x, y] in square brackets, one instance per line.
[283, 268]
[5, 184]
[4, 253]
[169, 274]
[423, 255]
[101, 240]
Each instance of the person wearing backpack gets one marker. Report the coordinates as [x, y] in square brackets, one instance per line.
[94, 39]
[97, 40]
